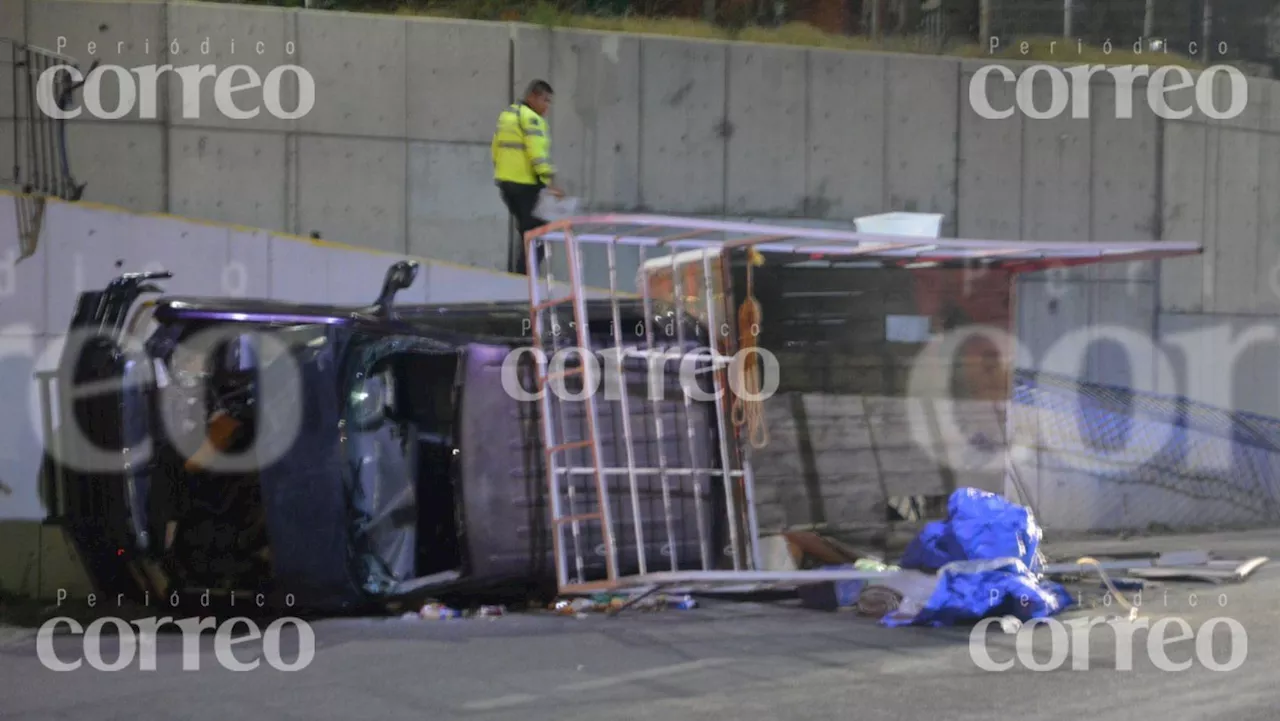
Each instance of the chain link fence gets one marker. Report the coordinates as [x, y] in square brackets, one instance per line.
[1089, 457]
[1086, 458]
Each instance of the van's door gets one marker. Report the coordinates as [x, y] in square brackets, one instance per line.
[306, 479]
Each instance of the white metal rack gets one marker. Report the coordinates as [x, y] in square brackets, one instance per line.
[703, 247]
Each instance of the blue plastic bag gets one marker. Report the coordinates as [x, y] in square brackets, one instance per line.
[934, 548]
[987, 553]
[969, 591]
[987, 527]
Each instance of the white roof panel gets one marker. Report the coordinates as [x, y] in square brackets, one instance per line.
[687, 234]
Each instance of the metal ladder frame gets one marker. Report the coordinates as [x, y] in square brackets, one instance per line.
[735, 466]
[540, 307]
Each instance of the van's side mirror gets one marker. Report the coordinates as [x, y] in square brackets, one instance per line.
[399, 276]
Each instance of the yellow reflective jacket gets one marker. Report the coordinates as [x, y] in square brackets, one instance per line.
[521, 147]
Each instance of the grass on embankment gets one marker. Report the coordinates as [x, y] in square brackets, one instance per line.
[1038, 49]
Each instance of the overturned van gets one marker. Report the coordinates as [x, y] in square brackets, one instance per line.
[336, 457]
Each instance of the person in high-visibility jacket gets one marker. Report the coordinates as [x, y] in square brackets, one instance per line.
[522, 166]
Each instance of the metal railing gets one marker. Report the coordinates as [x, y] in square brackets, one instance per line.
[41, 162]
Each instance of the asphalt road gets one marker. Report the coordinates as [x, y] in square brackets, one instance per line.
[723, 661]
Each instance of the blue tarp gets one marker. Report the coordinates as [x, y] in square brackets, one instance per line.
[987, 555]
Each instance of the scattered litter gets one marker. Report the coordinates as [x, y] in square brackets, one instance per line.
[831, 595]
[872, 564]
[1110, 585]
[605, 602]
[438, 611]
[878, 601]
[911, 588]
[1125, 584]
[491, 611]
[576, 607]
[682, 603]
[1010, 624]
[778, 554]
[819, 549]
[1173, 566]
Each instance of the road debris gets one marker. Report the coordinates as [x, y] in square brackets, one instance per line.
[878, 601]
[438, 612]
[841, 595]
[1194, 565]
[988, 561]
[1211, 571]
[831, 595]
[1126, 584]
[615, 602]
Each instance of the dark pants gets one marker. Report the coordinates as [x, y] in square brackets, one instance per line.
[521, 199]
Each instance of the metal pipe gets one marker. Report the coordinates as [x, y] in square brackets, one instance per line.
[17, 126]
[572, 490]
[718, 389]
[743, 453]
[657, 413]
[591, 382]
[753, 523]
[56, 184]
[625, 402]
[704, 539]
[712, 356]
[668, 239]
[33, 169]
[643, 471]
[548, 431]
[668, 578]
[754, 240]
[578, 534]
[48, 145]
[840, 236]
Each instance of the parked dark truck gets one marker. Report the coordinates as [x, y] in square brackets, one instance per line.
[329, 457]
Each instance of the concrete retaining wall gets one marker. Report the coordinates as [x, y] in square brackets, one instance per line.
[841, 459]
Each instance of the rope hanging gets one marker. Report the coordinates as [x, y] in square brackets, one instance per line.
[747, 412]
